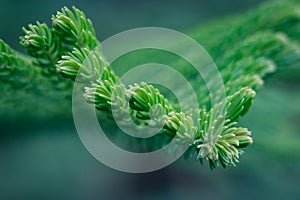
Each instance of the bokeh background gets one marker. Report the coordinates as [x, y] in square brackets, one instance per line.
[46, 160]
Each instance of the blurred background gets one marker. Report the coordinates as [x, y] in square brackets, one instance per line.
[46, 159]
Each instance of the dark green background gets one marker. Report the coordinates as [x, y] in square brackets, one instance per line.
[46, 160]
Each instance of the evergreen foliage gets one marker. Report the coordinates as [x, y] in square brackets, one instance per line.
[246, 49]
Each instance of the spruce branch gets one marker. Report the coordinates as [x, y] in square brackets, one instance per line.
[74, 29]
[143, 97]
[89, 63]
[91, 66]
[71, 30]
[217, 139]
[246, 49]
[107, 92]
[41, 43]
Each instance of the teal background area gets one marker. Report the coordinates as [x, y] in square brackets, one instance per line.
[46, 160]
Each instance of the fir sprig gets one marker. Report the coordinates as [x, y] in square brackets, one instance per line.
[74, 29]
[245, 49]
[41, 43]
[141, 99]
